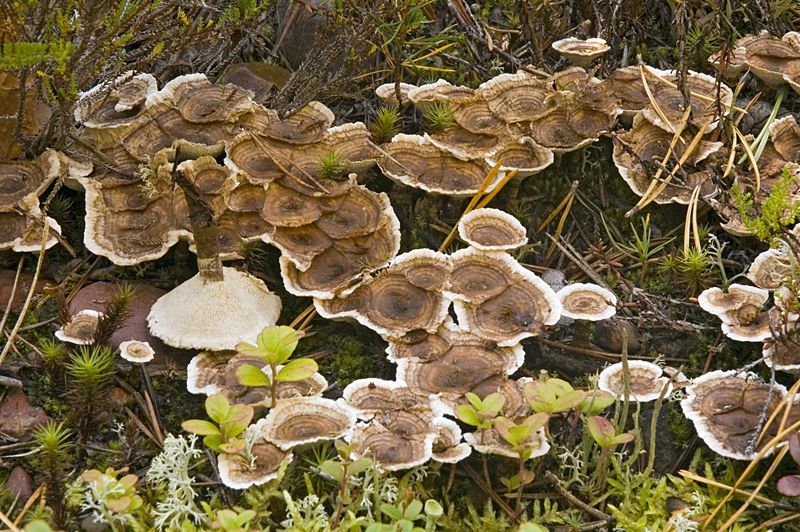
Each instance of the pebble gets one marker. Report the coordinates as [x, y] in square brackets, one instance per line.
[608, 335]
[19, 483]
[18, 417]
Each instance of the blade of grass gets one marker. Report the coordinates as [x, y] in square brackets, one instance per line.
[749, 154]
[687, 228]
[490, 196]
[563, 219]
[653, 101]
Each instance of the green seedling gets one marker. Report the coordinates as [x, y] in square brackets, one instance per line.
[231, 421]
[231, 521]
[605, 435]
[520, 437]
[481, 413]
[341, 470]
[112, 499]
[275, 345]
[552, 396]
[405, 512]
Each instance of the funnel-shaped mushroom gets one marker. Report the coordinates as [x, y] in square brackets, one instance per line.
[136, 351]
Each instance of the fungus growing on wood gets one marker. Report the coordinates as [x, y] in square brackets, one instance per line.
[390, 451]
[523, 155]
[448, 446]
[646, 382]
[516, 97]
[373, 396]
[741, 304]
[586, 301]
[491, 230]
[423, 345]
[769, 269]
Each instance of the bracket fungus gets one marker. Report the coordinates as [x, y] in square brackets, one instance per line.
[497, 299]
[136, 351]
[491, 230]
[391, 451]
[307, 419]
[769, 269]
[740, 311]
[586, 301]
[646, 382]
[448, 446]
[267, 460]
[404, 297]
[81, 328]
[371, 397]
[726, 408]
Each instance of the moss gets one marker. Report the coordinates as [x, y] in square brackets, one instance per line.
[681, 428]
[347, 361]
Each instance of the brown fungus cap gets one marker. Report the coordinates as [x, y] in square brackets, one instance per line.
[646, 381]
[299, 244]
[523, 155]
[268, 459]
[285, 207]
[416, 162]
[741, 303]
[214, 315]
[465, 144]
[390, 451]
[516, 97]
[768, 57]
[585, 301]
[81, 328]
[491, 230]
[424, 95]
[305, 126]
[703, 97]
[636, 150]
[476, 116]
[422, 345]
[448, 447]
[205, 373]
[306, 420]
[376, 396]
[726, 409]
[424, 268]
[581, 52]
[478, 276]
[769, 269]
[256, 158]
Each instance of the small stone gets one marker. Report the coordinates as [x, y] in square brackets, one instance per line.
[17, 416]
[23, 287]
[19, 483]
[117, 396]
[608, 335]
[91, 524]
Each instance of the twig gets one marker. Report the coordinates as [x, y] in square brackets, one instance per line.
[608, 519]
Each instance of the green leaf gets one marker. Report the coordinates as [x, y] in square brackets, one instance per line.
[297, 370]
[538, 395]
[392, 511]
[200, 427]
[128, 481]
[596, 401]
[136, 503]
[626, 437]
[560, 387]
[91, 475]
[118, 505]
[359, 465]
[275, 344]
[474, 400]
[238, 420]
[503, 426]
[537, 421]
[213, 442]
[246, 516]
[332, 468]
[468, 415]
[249, 375]
[37, 525]
[217, 407]
[234, 446]
[569, 400]
[413, 510]
[227, 519]
[601, 429]
[494, 402]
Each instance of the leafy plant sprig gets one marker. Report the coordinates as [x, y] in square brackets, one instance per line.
[275, 345]
[342, 470]
[231, 521]
[110, 498]
[552, 396]
[231, 421]
[520, 437]
[604, 433]
[481, 413]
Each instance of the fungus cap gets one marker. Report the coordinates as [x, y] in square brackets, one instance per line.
[586, 301]
[136, 351]
[390, 451]
[726, 408]
[214, 315]
[448, 446]
[741, 303]
[523, 155]
[491, 230]
[267, 461]
[646, 380]
[751, 325]
[81, 328]
[769, 269]
[581, 52]
[307, 419]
